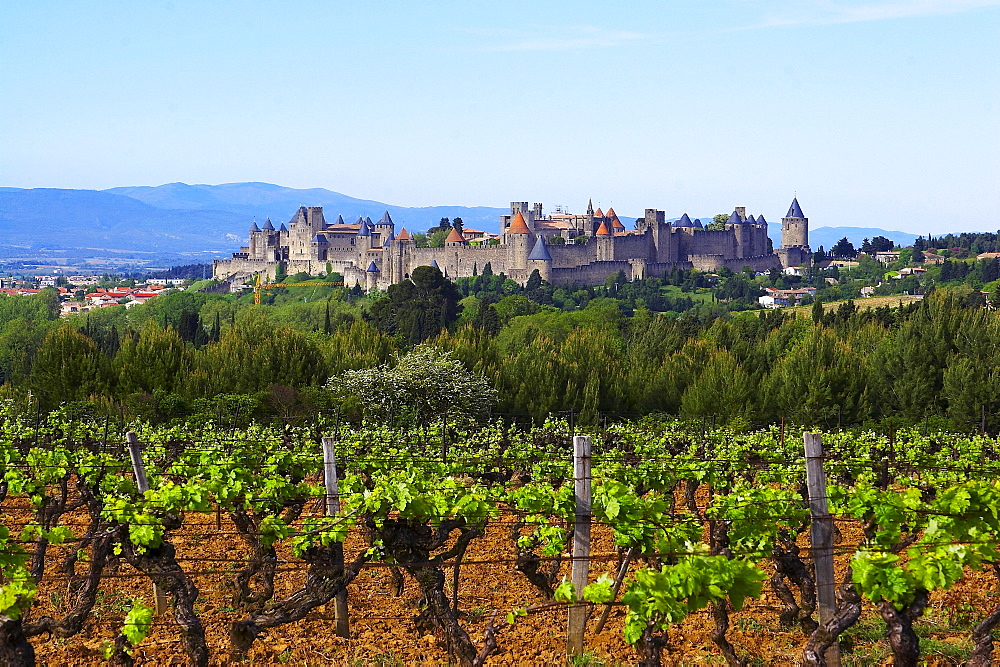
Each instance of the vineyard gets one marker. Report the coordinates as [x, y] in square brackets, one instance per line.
[204, 543]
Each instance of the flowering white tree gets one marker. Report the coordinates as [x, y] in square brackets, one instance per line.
[425, 382]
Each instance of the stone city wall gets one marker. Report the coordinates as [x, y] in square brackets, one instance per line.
[705, 242]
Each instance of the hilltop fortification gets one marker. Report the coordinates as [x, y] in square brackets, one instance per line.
[565, 248]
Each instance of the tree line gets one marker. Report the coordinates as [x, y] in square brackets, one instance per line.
[188, 353]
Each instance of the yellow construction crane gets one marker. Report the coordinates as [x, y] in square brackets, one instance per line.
[257, 287]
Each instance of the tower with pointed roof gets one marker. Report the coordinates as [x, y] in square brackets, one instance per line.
[540, 258]
[385, 226]
[254, 240]
[519, 242]
[794, 227]
[371, 276]
[527, 215]
[605, 241]
[795, 236]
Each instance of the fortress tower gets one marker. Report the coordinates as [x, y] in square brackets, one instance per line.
[794, 227]
[795, 237]
[540, 259]
[518, 239]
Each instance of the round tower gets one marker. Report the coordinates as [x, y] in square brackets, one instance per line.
[518, 238]
[363, 242]
[539, 258]
[254, 236]
[371, 276]
[605, 243]
[794, 227]
[795, 238]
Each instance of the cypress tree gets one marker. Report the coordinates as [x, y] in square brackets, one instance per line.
[534, 281]
[817, 311]
[113, 344]
[327, 327]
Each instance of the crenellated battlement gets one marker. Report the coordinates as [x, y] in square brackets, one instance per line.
[565, 248]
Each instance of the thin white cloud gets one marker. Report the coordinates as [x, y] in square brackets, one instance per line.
[563, 39]
[832, 13]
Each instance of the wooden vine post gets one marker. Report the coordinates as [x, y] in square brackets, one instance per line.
[135, 452]
[577, 621]
[821, 536]
[332, 509]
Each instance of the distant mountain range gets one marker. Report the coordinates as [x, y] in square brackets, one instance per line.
[177, 217]
[214, 219]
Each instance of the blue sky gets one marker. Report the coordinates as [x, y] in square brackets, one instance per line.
[874, 113]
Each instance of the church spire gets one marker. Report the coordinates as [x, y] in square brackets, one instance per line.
[590, 207]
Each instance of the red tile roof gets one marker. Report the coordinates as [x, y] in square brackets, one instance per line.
[518, 226]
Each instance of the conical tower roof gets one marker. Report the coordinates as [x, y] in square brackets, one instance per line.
[282, 228]
[602, 230]
[386, 219]
[388, 240]
[794, 211]
[268, 227]
[540, 251]
[403, 235]
[372, 268]
[611, 213]
[616, 224]
[254, 228]
[599, 213]
[363, 229]
[761, 220]
[340, 220]
[734, 219]
[455, 237]
[697, 224]
[518, 225]
[685, 221]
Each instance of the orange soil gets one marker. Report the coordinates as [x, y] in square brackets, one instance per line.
[381, 624]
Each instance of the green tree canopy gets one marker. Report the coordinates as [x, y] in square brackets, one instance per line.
[843, 248]
[418, 308]
[69, 367]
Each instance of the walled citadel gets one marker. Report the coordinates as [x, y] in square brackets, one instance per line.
[591, 247]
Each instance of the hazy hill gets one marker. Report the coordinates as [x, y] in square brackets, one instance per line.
[88, 218]
[263, 200]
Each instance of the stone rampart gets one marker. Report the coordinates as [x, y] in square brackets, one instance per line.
[572, 255]
[594, 273]
[705, 242]
[633, 245]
